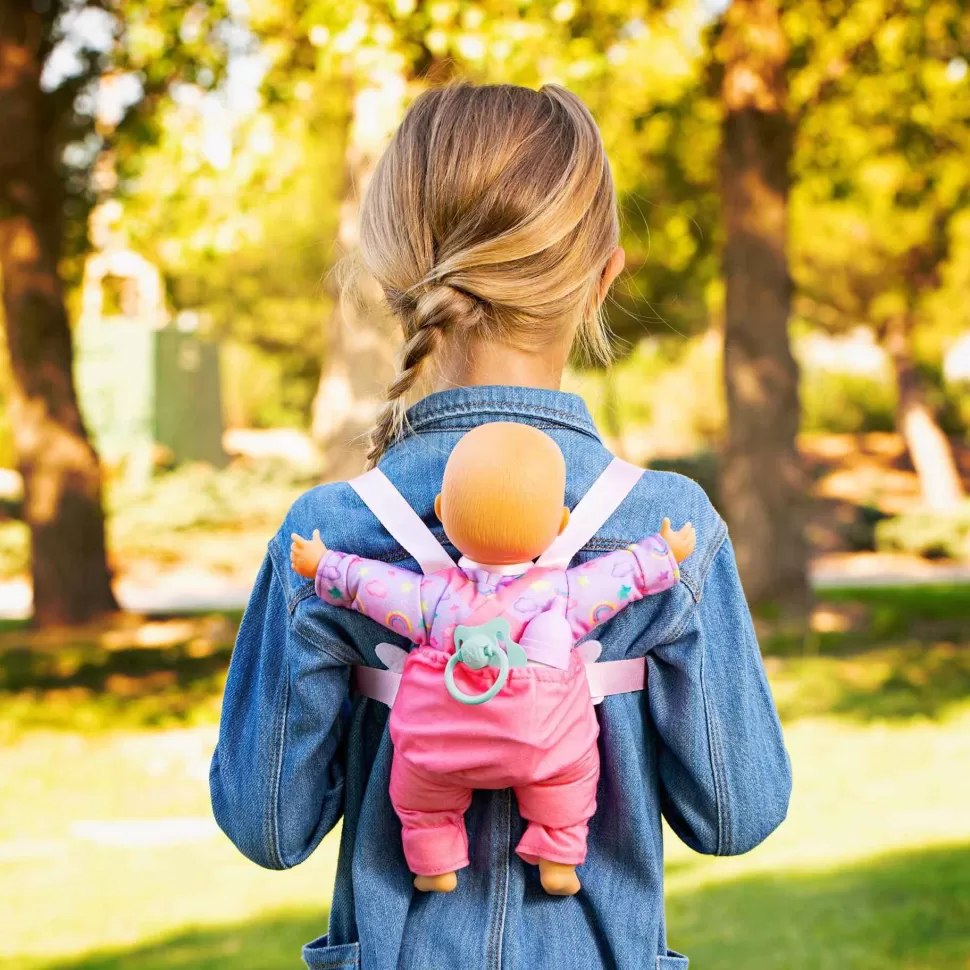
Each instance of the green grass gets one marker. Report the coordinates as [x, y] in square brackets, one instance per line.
[258, 944]
[129, 674]
[892, 683]
[907, 909]
[943, 601]
[67, 891]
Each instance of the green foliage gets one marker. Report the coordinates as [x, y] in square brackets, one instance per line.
[879, 197]
[664, 396]
[934, 535]
[880, 180]
[247, 243]
[263, 388]
[222, 517]
[14, 549]
[145, 49]
[840, 402]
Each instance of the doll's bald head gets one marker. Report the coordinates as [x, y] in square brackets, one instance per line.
[501, 501]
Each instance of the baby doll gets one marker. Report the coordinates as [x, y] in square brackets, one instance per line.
[501, 505]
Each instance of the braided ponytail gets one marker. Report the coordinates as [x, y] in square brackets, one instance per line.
[427, 321]
[492, 214]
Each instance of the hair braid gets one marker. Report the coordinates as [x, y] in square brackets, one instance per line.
[427, 319]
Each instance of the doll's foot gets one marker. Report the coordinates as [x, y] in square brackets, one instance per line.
[444, 883]
[558, 879]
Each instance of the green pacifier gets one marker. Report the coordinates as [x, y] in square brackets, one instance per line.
[487, 645]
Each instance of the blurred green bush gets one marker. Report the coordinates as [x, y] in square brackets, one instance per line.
[845, 403]
[217, 519]
[935, 535]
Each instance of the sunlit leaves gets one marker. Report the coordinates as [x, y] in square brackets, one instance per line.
[881, 176]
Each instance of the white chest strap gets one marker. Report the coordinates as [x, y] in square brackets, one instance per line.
[605, 678]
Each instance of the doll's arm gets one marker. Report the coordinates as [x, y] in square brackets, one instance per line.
[388, 595]
[600, 588]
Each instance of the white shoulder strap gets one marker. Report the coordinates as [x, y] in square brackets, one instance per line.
[403, 523]
[595, 507]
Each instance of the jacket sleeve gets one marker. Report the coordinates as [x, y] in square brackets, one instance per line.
[277, 775]
[724, 773]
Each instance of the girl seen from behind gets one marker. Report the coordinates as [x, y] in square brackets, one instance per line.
[490, 224]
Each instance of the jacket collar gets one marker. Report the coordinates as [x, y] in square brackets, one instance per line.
[467, 407]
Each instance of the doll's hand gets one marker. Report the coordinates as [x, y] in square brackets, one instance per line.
[305, 554]
[681, 541]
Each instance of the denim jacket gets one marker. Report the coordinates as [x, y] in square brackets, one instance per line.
[701, 746]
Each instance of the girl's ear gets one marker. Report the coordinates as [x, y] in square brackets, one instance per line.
[565, 520]
[437, 506]
[614, 266]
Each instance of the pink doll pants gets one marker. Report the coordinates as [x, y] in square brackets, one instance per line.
[536, 736]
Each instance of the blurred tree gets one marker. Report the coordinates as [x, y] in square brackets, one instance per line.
[62, 478]
[52, 56]
[763, 485]
[350, 68]
[235, 204]
[883, 187]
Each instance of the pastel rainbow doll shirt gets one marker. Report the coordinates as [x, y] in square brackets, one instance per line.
[427, 609]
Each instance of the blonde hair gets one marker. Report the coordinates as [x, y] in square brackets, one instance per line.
[492, 214]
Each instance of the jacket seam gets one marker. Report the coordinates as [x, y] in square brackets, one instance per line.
[273, 848]
[596, 544]
[496, 931]
[715, 750]
[712, 748]
[718, 776]
[333, 648]
[698, 596]
[304, 591]
[695, 580]
[541, 425]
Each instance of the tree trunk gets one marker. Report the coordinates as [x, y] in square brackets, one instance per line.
[763, 486]
[61, 473]
[928, 447]
[359, 348]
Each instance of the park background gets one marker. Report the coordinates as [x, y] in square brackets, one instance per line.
[178, 182]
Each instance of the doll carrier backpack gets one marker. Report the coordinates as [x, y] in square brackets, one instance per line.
[484, 639]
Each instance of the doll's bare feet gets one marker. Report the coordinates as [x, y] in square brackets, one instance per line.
[558, 879]
[444, 883]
